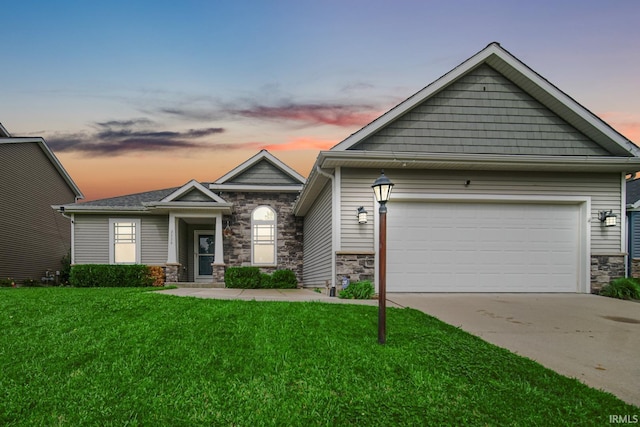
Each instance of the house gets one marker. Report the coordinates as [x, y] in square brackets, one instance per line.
[245, 218]
[34, 238]
[501, 180]
[633, 226]
[503, 183]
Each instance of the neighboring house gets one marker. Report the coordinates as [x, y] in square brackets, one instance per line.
[500, 183]
[633, 226]
[33, 238]
[245, 218]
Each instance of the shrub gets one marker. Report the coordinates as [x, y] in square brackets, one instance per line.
[7, 283]
[65, 270]
[622, 288]
[284, 279]
[252, 278]
[242, 277]
[358, 290]
[102, 275]
[157, 275]
[30, 283]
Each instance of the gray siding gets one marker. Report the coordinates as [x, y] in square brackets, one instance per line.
[91, 235]
[356, 192]
[154, 235]
[603, 189]
[92, 239]
[33, 237]
[316, 269]
[482, 113]
[263, 173]
[194, 196]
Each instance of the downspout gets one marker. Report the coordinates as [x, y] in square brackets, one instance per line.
[73, 233]
[333, 228]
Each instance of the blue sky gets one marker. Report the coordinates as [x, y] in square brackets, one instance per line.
[139, 95]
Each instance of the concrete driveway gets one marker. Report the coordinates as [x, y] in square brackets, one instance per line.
[591, 338]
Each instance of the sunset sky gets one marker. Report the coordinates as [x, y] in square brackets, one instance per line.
[140, 95]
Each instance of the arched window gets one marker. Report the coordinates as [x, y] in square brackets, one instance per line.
[263, 236]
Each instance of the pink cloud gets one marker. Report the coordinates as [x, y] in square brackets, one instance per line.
[302, 143]
[328, 114]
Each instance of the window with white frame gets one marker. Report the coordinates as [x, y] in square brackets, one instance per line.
[124, 241]
[263, 236]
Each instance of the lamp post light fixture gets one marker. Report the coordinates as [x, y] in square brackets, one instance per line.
[382, 190]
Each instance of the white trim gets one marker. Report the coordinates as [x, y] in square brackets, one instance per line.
[623, 224]
[73, 239]
[138, 224]
[584, 202]
[275, 237]
[219, 248]
[263, 154]
[172, 246]
[191, 185]
[337, 212]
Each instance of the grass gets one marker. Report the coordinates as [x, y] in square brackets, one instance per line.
[125, 356]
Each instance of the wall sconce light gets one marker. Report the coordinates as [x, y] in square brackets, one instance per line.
[608, 218]
[362, 215]
[227, 231]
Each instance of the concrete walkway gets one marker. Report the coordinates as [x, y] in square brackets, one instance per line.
[591, 338]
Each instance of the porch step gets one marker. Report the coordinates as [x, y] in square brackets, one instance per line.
[195, 285]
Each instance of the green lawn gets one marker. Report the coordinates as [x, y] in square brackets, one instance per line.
[132, 357]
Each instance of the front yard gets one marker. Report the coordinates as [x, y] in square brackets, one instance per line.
[114, 356]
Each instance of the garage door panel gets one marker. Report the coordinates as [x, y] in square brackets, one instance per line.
[482, 247]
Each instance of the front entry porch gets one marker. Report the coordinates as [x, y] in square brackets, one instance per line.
[195, 250]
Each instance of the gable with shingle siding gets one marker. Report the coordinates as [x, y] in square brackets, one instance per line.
[482, 112]
[264, 173]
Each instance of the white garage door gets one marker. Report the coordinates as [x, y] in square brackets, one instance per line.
[482, 247]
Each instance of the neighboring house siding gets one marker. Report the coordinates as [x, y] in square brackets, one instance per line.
[317, 240]
[153, 238]
[634, 234]
[91, 235]
[603, 189]
[482, 113]
[34, 237]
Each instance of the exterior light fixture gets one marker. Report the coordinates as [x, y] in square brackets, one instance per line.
[382, 189]
[608, 218]
[362, 215]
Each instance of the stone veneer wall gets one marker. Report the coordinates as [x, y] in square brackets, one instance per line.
[635, 268]
[605, 268]
[356, 266]
[237, 247]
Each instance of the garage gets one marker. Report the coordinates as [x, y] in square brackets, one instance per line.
[483, 246]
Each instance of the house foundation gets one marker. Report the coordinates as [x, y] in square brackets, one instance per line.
[356, 266]
[172, 272]
[605, 268]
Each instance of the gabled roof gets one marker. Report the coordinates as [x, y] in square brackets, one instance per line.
[189, 187]
[524, 77]
[262, 172]
[4, 133]
[156, 201]
[47, 151]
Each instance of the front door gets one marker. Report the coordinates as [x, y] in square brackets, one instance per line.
[203, 251]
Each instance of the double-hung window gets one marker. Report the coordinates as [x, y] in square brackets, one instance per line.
[263, 236]
[124, 241]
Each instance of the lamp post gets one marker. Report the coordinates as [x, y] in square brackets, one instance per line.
[382, 189]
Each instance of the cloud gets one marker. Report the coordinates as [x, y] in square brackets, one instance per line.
[302, 143]
[313, 114]
[125, 136]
